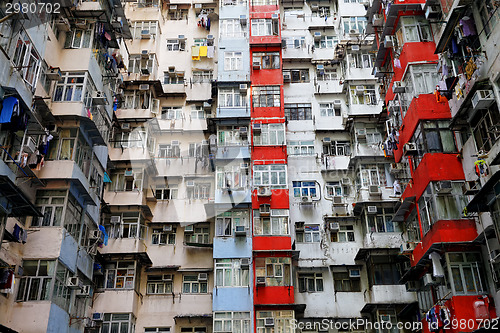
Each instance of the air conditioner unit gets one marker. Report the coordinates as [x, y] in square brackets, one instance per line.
[74, 283]
[98, 316]
[354, 273]
[189, 228]
[256, 65]
[305, 199]
[355, 47]
[144, 54]
[260, 280]
[167, 277]
[320, 68]
[338, 200]
[388, 42]
[327, 140]
[203, 277]
[167, 227]
[145, 71]
[198, 6]
[299, 225]
[207, 106]
[95, 235]
[243, 19]
[398, 87]
[470, 187]
[482, 99]
[53, 74]
[371, 209]
[407, 247]
[443, 186]
[245, 263]
[81, 24]
[428, 280]
[257, 127]
[175, 142]
[361, 133]
[410, 148]
[99, 98]
[115, 219]
[268, 322]
[173, 7]
[243, 88]
[243, 131]
[396, 168]
[432, 12]
[374, 190]
[378, 20]
[412, 286]
[354, 32]
[317, 35]
[190, 183]
[243, 165]
[360, 90]
[145, 34]
[275, 16]
[85, 291]
[287, 77]
[334, 226]
[144, 87]
[337, 104]
[210, 37]
[264, 191]
[240, 230]
[346, 181]
[29, 145]
[181, 37]
[314, 6]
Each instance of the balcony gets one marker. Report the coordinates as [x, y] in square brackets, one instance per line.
[125, 198]
[134, 114]
[124, 153]
[124, 245]
[181, 167]
[233, 152]
[234, 196]
[233, 112]
[328, 87]
[117, 301]
[334, 162]
[390, 294]
[296, 53]
[175, 90]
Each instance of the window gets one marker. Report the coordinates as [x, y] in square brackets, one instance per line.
[343, 235]
[282, 321]
[226, 222]
[264, 27]
[197, 112]
[138, 64]
[266, 60]
[200, 235]
[26, 59]
[176, 45]
[295, 111]
[485, 129]
[156, 329]
[276, 270]
[231, 97]
[489, 15]
[321, 11]
[329, 110]
[275, 223]
[158, 285]
[161, 237]
[361, 60]
[177, 78]
[232, 177]
[305, 189]
[144, 4]
[191, 285]
[193, 329]
[232, 322]
[300, 147]
[295, 42]
[136, 99]
[126, 180]
[51, 204]
[264, 2]
[118, 322]
[166, 193]
[233, 2]
[337, 148]
[120, 275]
[333, 189]
[465, 272]
[228, 273]
[328, 74]
[269, 175]
[172, 150]
[230, 136]
[416, 29]
[35, 284]
[354, 23]
[298, 75]
[364, 94]
[382, 270]
[421, 79]
[200, 191]
[198, 149]
[270, 134]
[326, 42]
[310, 282]
[233, 61]
[171, 112]
[231, 28]
[434, 137]
[144, 28]
[310, 234]
[78, 39]
[130, 225]
[70, 88]
[372, 174]
[382, 220]
[343, 283]
[179, 14]
[202, 76]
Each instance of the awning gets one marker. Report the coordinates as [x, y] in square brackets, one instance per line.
[453, 20]
[296, 307]
[162, 268]
[18, 203]
[363, 252]
[486, 195]
[404, 208]
[193, 316]
[195, 269]
[142, 257]
[370, 307]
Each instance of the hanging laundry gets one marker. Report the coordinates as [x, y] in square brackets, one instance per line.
[17, 232]
[468, 26]
[195, 52]
[481, 168]
[397, 188]
[203, 51]
[6, 278]
[24, 160]
[10, 108]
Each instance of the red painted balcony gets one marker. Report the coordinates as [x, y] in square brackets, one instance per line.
[274, 295]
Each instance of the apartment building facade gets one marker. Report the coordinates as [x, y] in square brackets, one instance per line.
[248, 166]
